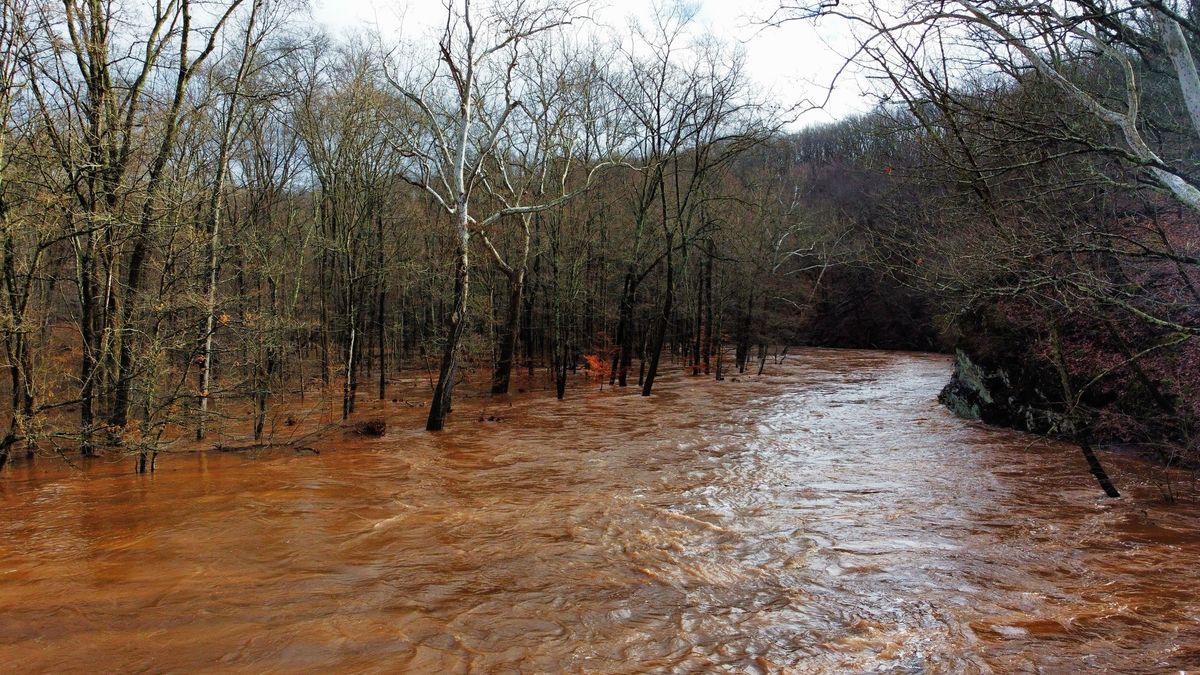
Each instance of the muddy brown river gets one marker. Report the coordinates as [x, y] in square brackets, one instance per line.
[828, 516]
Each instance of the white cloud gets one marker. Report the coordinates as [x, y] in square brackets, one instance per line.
[794, 63]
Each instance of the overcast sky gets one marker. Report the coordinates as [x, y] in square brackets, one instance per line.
[792, 63]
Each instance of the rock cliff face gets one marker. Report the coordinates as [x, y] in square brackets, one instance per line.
[967, 393]
[996, 396]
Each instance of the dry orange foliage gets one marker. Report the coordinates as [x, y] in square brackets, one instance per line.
[598, 367]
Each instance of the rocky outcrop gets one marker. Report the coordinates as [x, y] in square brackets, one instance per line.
[996, 396]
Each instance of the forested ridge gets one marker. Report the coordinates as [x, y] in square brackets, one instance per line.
[210, 211]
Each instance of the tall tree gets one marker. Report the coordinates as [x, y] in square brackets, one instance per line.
[466, 102]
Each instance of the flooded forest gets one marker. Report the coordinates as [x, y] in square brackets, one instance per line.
[541, 336]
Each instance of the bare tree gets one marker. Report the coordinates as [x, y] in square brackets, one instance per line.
[466, 102]
[98, 113]
[551, 137]
[232, 116]
[22, 244]
[693, 115]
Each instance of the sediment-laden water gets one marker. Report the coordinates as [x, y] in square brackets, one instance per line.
[828, 516]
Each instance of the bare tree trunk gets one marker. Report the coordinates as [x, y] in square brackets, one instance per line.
[22, 395]
[348, 384]
[325, 284]
[262, 393]
[660, 331]
[381, 311]
[720, 354]
[628, 300]
[210, 320]
[89, 338]
[1185, 65]
[642, 359]
[697, 328]
[742, 354]
[16, 344]
[512, 327]
[443, 390]
[707, 342]
[263, 388]
[1083, 433]
[560, 369]
[622, 356]
[559, 347]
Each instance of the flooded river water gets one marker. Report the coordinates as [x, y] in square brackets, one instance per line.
[828, 516]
